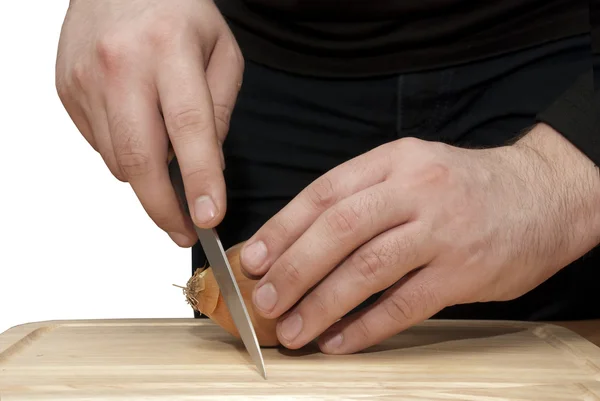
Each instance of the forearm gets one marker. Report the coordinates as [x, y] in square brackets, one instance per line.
[573, 190]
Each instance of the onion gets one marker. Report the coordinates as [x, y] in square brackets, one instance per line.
[203, 294]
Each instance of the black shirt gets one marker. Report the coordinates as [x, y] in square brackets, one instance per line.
[342, 38]
[371, 37]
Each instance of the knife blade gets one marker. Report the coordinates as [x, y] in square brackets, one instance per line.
[215, 253]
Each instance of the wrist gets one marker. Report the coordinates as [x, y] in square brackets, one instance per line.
[572, 191]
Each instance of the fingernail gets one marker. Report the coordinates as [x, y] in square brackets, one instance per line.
[266, 297]
[334, 342]
[204, 209]
[254, 255]
[291, 326]
[180, 239]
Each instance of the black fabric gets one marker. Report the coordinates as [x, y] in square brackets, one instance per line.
[365, 37]
[595, 34]
[574, 115]
[594, 6]
[288, 129]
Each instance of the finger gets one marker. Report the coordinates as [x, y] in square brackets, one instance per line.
[188, 113]
[224, 77]
[372, 268]
[415, 298]
[140, 146]
[71, 93]
[83, 126]
[95, 131]
[280, 232]
[79, 118]
[335, 234]
[103, 141]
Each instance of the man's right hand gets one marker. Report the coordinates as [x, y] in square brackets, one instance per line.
[136, 74]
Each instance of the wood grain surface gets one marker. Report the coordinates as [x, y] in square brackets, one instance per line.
[589, 329]
[184, 359]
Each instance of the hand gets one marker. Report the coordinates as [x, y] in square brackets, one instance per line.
[432, 225]
[136, 74]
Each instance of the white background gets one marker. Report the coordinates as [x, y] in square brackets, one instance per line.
[74, 242]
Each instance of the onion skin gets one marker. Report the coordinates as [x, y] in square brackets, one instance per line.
[203, 294]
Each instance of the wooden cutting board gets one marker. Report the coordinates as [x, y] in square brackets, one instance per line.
[184, 359]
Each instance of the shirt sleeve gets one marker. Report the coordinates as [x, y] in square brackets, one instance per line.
[595, 36]
[576, 114]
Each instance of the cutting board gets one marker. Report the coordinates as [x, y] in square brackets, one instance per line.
[184, 359]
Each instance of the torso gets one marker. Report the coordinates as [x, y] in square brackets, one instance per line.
[366, 37]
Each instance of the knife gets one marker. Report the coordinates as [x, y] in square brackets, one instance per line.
[221, 268]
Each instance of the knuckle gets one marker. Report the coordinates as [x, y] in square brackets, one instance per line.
[342, 222]
[404, 249]
[435, 173]
[164, 31]
[368, 265]
[335, 296]
[109, 159]
[322, 193]
[223, 116]
[118, 174]
[64, 92]
[239, 61]
[376, 201]
[185, 124]
[133, 163]
[399, 308]
[80, 75]
[113, 53]
[428, 300]
[434, 170]
[239, 57]
[122, 131]
[131, 159]
[200, 172]
[282, 227]
[291, 272]
[233, 52]
[364, 331]
[409, 144]
[161, 217]
[319, 305]
[370, 204]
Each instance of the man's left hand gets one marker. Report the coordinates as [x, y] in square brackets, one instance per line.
[431, 224]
